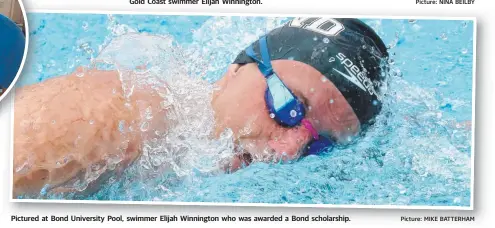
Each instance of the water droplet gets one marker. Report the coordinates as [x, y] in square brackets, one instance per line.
[443, 36]
[114, 91]
[91, 122]
[85, 26]
[291, 58]
[44, 190]
[24, 168]
[464, 51]
[309, 108]
[391, 61]
[53, 121]
[293, 113]
[326, 40]
[79, 74]
[315, 38]
[272, 115]
[439, 115]
[312, 90]
[331, 101]
[121, 125]
[412, 21]
[364, 46]
[148, 113]
[157, 133]
[464, 24]
[323, 79]
[95, 167]
[145, 126]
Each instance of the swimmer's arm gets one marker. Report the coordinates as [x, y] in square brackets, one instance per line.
[67, 125]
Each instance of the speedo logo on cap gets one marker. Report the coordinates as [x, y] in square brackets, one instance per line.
[354, 74]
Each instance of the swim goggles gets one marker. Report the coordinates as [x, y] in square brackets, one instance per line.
[283, 105]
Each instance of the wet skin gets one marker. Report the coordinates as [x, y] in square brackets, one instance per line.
[67, 124]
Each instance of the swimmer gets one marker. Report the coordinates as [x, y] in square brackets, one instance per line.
[302, 89]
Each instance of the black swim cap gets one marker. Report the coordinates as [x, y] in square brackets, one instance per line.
[347, 51]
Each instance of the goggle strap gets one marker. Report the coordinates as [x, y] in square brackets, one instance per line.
[265, 66]
[265, 56]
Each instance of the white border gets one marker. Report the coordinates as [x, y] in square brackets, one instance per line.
[26, 46]
[116, 202]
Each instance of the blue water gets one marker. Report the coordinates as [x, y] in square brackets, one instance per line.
[418, 153]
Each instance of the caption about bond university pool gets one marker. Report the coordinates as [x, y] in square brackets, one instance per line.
[180, 218]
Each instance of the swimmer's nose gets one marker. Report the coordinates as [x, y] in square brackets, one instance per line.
[290, 143]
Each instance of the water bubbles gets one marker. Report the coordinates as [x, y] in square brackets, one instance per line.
[85, 26]
[144, 126]
[91, 122]
[293, 113]
[44, 190]
[326, 40]
[148, 113]
[323, 79]
[315, 38]
[80, 73]
[272, 115]
[364, 47]
[291, 58]
[375, 102]
[95, 167]
[24, 168]
[444, 36]
[331, 101]
[122, 126]
[464, 51]
[412, 21]
[391, 61]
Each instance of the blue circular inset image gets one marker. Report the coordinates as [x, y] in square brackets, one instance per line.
[12, 44]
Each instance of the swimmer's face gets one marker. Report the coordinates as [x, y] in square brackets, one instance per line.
[240, 105]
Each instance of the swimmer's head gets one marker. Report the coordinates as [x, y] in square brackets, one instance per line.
[334, 66]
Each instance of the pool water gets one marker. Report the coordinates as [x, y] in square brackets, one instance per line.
[419, 152]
